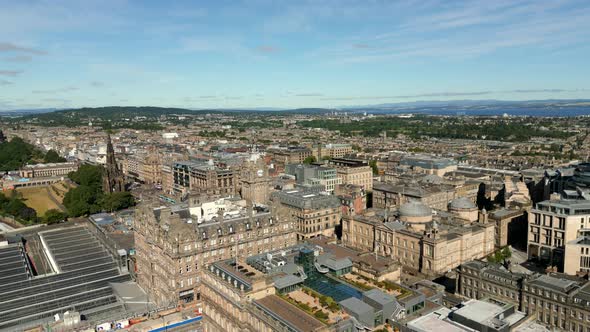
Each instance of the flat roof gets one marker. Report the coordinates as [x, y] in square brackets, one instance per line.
[559, 284]
[289, 314]
[436, 321]
[379, 296]
[479, 311]
[356, 306]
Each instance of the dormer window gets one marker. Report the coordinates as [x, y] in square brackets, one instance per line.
[231, 229]
[204, 235]
[219, 231]
[257, 223]
[248, 226]
[270, 221]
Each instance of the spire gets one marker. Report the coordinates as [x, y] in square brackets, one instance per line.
[110, 152]
[113, 180]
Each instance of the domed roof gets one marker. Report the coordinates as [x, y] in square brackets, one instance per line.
[462, 203]
[414, 209]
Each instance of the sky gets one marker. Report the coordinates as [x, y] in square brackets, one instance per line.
[288, 54]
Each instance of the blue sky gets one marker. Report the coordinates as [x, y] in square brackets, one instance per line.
[262, 53]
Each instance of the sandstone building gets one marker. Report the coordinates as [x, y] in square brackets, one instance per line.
[173, 245]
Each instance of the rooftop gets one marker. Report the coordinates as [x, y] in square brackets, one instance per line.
[559, 284]
[378, 296]
[288, 314]
[414, 209]
[462, 203]
[356, 306]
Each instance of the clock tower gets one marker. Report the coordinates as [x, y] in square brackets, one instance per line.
[255, 180]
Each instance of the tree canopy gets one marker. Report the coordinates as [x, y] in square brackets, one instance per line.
[88, 197]
[87, 175]
[53, 157]
[16, 207]
[16, 153]
[309, 160]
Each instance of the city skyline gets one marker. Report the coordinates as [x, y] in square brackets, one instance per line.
[289, 54]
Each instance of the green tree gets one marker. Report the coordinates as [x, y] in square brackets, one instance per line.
[53, 157]
[53, 216]
[500, 256]
[16, 153]
[373, 164]
[309, 160]
[321, 315]
[87, 175]
[3, 201]
[27, 213]
[82, 200]
[117, 201]
[15, 206]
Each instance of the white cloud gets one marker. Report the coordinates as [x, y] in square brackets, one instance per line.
[11, 73]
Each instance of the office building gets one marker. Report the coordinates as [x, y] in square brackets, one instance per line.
[315, 175]
[313, 213]
[552, 225]
[353, 171]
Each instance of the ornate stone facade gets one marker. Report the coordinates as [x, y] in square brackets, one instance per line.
[416, 240]
[113, 179]
[171, 249]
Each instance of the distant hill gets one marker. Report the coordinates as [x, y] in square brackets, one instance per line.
[22, 112]
[115, 115]
[118, 112]
[477, 103]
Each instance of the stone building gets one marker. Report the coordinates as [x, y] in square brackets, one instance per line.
[558, 301]
[237, 297]
[332, 150]
[315, 175]
[552, 225]
[388, 195]
[478, 280]
[313, 213]
[416, 239]
[167, 178]
[172, 246]
[254, 180]
[283, 156]
[353, 198]
[214, 180]
[464, 209]
[428, 164]
[354, 171]
[511, 227]
[48, 170]
[150, 171]
[199, 177]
